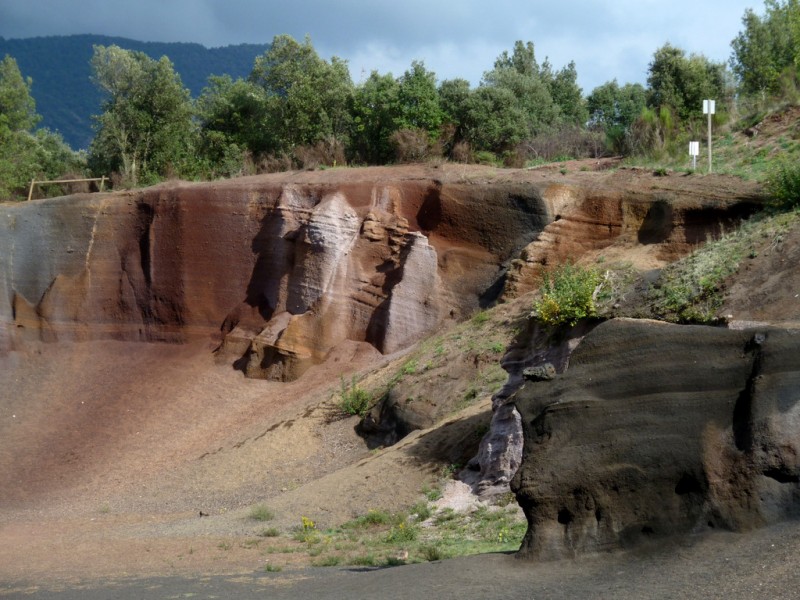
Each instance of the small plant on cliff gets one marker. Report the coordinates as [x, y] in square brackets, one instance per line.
[567, 295]
[353, 400]
[480, 318]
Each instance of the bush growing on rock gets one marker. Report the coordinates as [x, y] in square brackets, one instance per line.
[567, 295]
[353, 400]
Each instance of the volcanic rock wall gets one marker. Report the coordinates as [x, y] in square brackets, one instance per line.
[657, 429]
[282, 270]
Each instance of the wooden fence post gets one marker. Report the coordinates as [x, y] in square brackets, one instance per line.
[102, 181]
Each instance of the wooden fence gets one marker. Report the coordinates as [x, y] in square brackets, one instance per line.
[102, 181]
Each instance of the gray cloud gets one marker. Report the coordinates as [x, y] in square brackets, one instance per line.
[607, 39]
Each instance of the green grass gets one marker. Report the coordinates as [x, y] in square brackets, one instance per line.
[480, 318]
[409, 367]
[371, 519]
[378, 538]
[784, 184]
[733, 153]
[691, 290]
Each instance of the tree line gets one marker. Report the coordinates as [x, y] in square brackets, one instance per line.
[299, 110]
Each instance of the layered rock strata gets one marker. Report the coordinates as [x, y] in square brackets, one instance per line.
[280, 270]
[665, 221]
[657, 429]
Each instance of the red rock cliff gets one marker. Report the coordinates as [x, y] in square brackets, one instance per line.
[282, 268]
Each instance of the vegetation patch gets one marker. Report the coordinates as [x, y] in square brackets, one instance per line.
[260, 512]
[692, 290]
[568, 294]
[421, 534]
[784, 184]
[353, 400]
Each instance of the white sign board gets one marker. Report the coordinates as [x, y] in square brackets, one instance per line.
[709, 107]
[694, 148]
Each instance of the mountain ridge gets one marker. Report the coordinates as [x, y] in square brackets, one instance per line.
[65, 96]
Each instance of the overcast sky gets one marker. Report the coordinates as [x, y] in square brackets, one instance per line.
[607, 39]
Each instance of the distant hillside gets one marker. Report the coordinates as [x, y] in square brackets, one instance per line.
[65, 96]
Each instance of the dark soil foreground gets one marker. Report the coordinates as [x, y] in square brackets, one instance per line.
[759, 564]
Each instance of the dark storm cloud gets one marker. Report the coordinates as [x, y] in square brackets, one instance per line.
[606, 38]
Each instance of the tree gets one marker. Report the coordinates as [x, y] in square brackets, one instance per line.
[17, 106]
[615, 109]
[418, 100]
[374, 110]
[145, 130]
[568, 96]
[26, 155]
[494, 119]
[521, 102]
[682, 83]
[522, 60]
[768, 48]
[532, 94]
[453, 96]
[233, 120]
[307, 97]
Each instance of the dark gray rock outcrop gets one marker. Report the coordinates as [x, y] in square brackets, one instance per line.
[660, 429]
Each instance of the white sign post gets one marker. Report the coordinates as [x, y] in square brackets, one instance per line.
[709, 108]
[694, 151]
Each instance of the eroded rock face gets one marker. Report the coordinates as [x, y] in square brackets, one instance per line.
[279, 269]
[282, 268]
[538, 354]
[665, 221]
[658, 429]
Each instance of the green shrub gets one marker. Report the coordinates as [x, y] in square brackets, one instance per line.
[497, 347]
[401, 533]
[567, 295]
[409, 367]
[484, 157]
[371, 519]
[480, 318]
[421, 510]
[432, 552]
[784, 184]
[353, 400]
[261, 513]
[432, 493]
[367, 560]
[328, 561]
